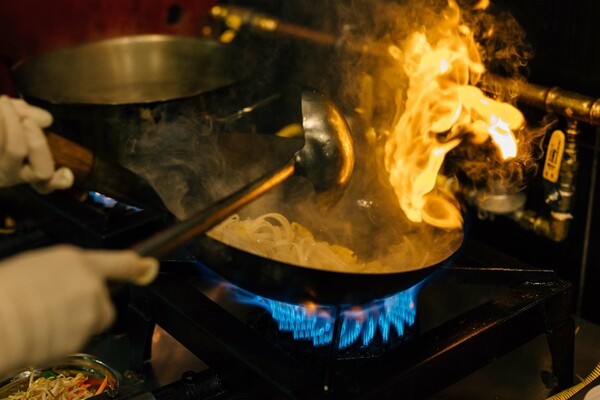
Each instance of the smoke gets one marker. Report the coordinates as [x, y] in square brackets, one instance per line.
[505, 53]
[191, 163]
[378, 87]
[367, 219]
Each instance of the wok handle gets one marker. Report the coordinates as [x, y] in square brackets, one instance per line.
[109, 178]
[174, 236]
[72, 155]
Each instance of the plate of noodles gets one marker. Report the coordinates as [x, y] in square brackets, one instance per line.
[76, 377]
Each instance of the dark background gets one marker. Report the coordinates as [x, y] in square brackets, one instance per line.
[565, 37]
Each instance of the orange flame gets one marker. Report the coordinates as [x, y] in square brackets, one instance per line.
[503, 137]
[442, 109]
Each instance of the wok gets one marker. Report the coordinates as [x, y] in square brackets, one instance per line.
[367, 220]
[300, 285]
[129, 70]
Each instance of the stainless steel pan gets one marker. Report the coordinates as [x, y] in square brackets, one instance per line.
[130, 70]
[99, 92]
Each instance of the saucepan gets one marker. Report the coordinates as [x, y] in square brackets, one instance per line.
[102, 94]
[99, 92]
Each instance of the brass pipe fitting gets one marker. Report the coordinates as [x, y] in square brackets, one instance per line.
[556, 225]
[236, 17]
[555, 100]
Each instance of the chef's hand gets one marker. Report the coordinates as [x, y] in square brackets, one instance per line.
[53, 300]
[24, 153]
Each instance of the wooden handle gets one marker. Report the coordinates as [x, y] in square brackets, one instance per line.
[72, 155]
[96, 174]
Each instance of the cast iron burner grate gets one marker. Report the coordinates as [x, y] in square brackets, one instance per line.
[247, 352]
[252, 358]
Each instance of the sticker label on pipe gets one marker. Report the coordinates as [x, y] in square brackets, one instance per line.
[554, 154]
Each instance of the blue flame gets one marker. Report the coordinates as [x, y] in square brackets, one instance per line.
[358, 324]
[397, 311]
[107, 202]
[316, 323]
[305, 322]
[102, 199]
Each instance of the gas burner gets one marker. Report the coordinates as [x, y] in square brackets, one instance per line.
[87, 219]
[109, 203]
[359, 324]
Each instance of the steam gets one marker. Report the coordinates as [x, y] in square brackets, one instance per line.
[367, 220]
[190, 164]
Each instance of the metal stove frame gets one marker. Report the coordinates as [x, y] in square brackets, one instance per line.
[249, 364]
[243, 358]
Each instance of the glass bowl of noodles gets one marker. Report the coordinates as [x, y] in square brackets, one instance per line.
[75, 377]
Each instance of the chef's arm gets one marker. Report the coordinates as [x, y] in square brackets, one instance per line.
[54, 299]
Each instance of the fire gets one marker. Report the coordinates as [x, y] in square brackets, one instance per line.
[503, 137]
[443, 107]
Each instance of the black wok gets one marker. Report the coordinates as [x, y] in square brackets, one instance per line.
[295, 284]
[367, 220]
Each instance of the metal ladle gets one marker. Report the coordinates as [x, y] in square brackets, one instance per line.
[326, 160]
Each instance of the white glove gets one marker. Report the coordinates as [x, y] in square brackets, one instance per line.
[53, 300]
[24, 152]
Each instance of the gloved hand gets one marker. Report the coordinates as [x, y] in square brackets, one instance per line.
[24, 152]
[53, 300]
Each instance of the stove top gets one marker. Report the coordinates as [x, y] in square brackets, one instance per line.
[464, 316]
[509, 303]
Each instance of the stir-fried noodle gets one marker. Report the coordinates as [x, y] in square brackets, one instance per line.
[273, 236]
[59, 387]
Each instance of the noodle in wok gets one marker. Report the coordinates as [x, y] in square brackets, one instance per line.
[273, 236]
